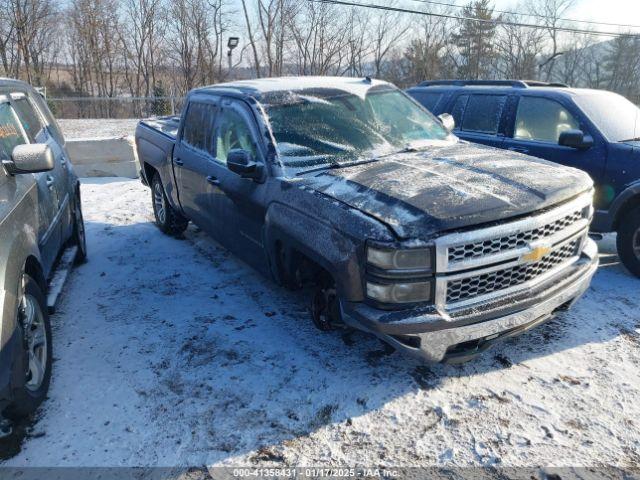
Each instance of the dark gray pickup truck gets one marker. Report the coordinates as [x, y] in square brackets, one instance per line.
[437, 246]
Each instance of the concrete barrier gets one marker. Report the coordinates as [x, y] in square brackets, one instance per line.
[103, 157]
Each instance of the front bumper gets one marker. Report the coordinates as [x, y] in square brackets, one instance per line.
[436, 336]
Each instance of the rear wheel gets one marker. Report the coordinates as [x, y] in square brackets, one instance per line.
[33, 320]
[629, 241]
[167, 219]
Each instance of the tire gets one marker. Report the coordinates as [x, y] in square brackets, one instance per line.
[629, 241]
[79, 238]
[325, 308]
[167, 219]
[33, 320]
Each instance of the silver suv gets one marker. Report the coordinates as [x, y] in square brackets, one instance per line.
[41, 235]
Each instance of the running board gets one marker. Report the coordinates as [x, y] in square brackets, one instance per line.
[60, 277]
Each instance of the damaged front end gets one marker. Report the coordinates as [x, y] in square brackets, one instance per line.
[458, 296]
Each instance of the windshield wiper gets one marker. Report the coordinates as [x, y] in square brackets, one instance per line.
[333, 166]
[636, 139]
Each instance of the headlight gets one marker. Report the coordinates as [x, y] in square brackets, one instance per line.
[399, 259]
[414, 292]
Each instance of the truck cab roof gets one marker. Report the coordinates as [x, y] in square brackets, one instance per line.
[258, 87]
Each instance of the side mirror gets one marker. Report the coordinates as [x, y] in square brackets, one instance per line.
[575, 139]
[242, 162]
[32, 158]
[448, 122]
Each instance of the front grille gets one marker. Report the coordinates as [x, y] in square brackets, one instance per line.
[513, 241]
[476, 286]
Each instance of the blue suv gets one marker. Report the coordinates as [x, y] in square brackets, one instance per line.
[593, 130]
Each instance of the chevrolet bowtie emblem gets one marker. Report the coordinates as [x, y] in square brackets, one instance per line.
[536, 253]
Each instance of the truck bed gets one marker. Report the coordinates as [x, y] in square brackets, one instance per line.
[167, 125]
[155, 139]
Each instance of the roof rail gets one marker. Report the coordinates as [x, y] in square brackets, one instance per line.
[490, 83]
[538, 83]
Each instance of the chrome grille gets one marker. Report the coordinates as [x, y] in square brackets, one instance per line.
[475, 286]
[509, 242]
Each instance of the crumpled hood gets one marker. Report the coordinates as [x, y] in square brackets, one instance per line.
[419, 195]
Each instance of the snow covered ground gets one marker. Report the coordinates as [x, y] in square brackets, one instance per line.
[97, 128]
[172, 352]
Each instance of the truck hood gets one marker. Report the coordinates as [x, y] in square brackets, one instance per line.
[422, 194]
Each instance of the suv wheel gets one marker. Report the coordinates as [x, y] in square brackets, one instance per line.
[629, 241]
[168, 220]
[33, 320]
[79, 235]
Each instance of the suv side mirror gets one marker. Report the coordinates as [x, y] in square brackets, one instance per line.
[32, 158]
[575, 139]
[242, 162]
[448, 122]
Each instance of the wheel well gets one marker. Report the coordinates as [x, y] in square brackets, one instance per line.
[34, 270]
[149, 172]
[630, 204]
[297, 270]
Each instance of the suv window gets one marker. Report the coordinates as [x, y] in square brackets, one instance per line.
[199, 125]
[428, 100]
[543, 120]
[457, 112]
[483, 113]
[28, 116]
[10, 131]
[233, 133]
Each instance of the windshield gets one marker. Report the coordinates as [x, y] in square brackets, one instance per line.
[318, 127]
[616, 117]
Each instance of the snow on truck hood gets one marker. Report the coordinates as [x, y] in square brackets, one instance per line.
[421, 194]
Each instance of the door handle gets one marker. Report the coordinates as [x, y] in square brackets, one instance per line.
[178, 162]
[50, 181]
[213, 180]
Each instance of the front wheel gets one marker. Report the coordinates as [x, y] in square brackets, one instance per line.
[629, 241]
[33, 320]
[167, 219]
[325, 308]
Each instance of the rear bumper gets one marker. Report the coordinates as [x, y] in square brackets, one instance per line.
[435, 336]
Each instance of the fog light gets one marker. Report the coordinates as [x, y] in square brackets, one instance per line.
[414, 292]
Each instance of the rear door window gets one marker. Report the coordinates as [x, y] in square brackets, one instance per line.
[483, 113]
[542, 120]
[10, 131]
[29, 117]
[457, 112]
[199, 127]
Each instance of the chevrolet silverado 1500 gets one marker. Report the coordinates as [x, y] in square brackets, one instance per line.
[437, 246]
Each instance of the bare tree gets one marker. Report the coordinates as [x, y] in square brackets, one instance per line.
[142, 37]
[429, 54]
[551, 13]
[94, 48]
[388, 30]
[517, 49]
[28, 38]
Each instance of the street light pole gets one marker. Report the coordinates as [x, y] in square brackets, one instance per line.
[231, 44]
[549, 60]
